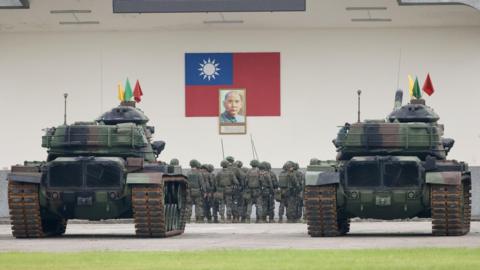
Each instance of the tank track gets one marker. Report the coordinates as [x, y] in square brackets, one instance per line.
[467, 205]
[25, 214]
[159, 209]
[449, 214]
[24, 207]
[321, 212]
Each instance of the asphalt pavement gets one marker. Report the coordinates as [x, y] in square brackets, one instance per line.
[120, 237]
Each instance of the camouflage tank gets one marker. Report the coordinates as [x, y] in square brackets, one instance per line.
[395, 168]
[106, 169]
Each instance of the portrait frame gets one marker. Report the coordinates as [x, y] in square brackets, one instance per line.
[228, 124]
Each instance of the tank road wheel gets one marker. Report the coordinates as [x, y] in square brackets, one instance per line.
[54, 227]
[321, 212]
[159, 210]
[447, 203]
[24, 207]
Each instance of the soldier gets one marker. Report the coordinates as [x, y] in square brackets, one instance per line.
[209, 190]
[196, 189]
[241, 205]
[281, 195]
[292, 193]
[271, 202]
[214, 203]
[225, 182]
[267, 189]
[301, 184]
[230, 160]
[253, 192]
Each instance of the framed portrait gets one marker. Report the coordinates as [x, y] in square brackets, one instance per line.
[232, 118]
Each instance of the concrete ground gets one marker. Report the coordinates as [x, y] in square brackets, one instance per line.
[120, 237]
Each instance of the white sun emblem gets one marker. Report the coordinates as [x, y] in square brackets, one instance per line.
[209, 69]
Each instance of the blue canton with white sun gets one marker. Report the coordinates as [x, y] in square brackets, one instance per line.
[209, 69]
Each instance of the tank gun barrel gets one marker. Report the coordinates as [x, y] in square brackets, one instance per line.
[398, 99]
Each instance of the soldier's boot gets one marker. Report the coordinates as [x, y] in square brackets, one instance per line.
[229, 219]
[280, 219]
[247, 220]
[222, 218]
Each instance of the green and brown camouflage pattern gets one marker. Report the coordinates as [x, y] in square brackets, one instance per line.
[385, 169]
[92, 169]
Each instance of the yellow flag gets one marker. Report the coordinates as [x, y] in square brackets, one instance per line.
[121, 92]
[410, 85]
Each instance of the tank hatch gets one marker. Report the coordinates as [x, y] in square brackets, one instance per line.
[124, 113]
[415, 111]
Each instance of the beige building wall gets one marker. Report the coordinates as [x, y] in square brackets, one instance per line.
[320, 73]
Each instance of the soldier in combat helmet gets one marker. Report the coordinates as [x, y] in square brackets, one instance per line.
[267, 190]
[196, 188]
[253, 192]
[225, 181]
[292, 193]
[214, 203]
[209, 190]
[281, 194]
[242, 206]
[271, 202]
[299, 194]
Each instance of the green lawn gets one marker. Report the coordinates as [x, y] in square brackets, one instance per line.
[450, 259]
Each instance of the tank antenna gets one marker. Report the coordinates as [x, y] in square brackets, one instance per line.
[223, 151]
[65, 95]
[359, 92]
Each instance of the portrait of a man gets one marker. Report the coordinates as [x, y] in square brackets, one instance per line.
[232, 106]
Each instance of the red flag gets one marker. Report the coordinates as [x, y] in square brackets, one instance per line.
[137, 92]
[428, 86]
[258, 73]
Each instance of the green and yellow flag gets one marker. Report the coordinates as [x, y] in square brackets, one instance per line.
[121, 92]
[128, 91]
[416, 89]
[410, 86]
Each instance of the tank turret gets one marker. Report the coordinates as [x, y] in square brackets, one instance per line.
[415, 111]
[126, 112]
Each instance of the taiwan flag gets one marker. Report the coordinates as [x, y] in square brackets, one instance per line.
[206, 73]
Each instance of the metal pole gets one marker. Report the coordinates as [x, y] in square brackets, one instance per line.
[223, 151]
[65, 95]
[359, 92]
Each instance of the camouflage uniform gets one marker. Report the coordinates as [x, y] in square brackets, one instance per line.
[267, 190]
[271, 202]
[214, 203]
[253, 192]
[301, 184]
[225, 182]
[196, 189]
[238, 192]
[209, 190]
[292, 193]
[282, 193]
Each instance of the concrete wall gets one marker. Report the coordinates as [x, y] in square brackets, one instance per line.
[3, 194]
[475, 193]
[321, 69]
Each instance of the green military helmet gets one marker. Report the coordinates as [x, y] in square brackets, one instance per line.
[224, 164]
[204, 166]
[174, 162]
[210, 168]
[254, 163]
[238, 163]
[262, 166]
[230, 159]
[194, 163]
[314, 161]
[296, 166]
[269, 166]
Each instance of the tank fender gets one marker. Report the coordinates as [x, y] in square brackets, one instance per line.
[320, 178]
[145, 178]
[443, 178]
[25, 177]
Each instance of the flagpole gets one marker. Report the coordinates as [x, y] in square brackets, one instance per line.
[359, 92]
[65, 95]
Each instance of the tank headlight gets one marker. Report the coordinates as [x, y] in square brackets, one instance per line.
[354, 195]
[55, 196]
[411, 195]
[113, 195]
